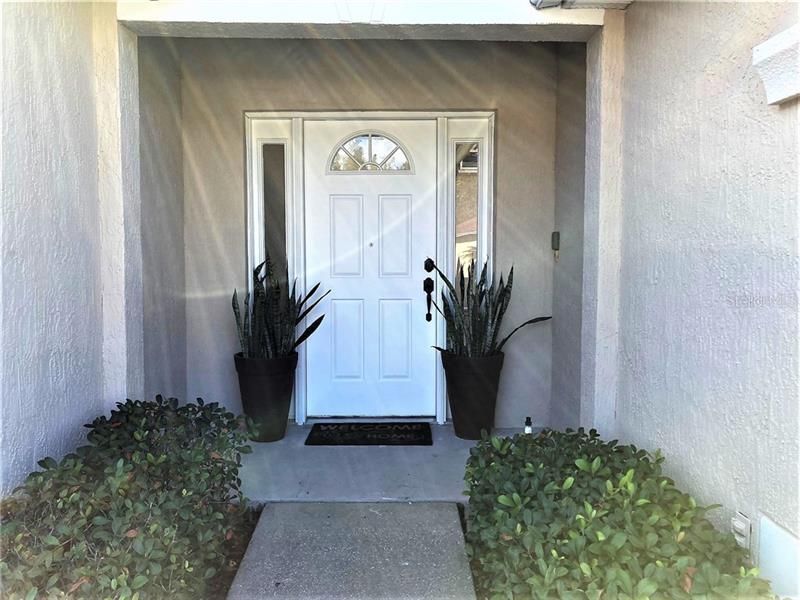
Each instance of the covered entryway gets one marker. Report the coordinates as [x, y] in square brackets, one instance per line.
[508, 120]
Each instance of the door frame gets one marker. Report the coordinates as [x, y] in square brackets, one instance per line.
[287, 128]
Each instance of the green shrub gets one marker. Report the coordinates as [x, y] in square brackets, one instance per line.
[145, 511]
[567, 515]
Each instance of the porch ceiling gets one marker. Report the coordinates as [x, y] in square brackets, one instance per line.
[500, 20]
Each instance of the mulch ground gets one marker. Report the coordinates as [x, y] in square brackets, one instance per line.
[236, 549]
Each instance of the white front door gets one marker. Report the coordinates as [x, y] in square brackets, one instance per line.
[370, 194]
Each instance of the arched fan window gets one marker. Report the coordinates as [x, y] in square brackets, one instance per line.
[370, 152]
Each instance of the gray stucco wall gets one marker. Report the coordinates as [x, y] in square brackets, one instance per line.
[708, 307]
[51, 343]
[163, 261]
[222, 78]
[568, 271]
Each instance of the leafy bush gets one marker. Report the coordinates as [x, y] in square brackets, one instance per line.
[567, 515]
[145, 511]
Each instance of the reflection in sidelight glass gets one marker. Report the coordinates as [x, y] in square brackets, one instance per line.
[466, 165]
[274, 162]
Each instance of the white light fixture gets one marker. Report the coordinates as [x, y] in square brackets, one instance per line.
[539, 4]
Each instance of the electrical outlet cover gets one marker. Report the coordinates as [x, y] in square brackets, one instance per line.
[741, 528]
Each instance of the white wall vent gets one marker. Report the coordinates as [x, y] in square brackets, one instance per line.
[778, 63]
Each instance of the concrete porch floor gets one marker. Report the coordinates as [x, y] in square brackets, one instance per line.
[288, 471]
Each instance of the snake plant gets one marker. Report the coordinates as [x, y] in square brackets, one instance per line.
[473, 311]
[268, 328]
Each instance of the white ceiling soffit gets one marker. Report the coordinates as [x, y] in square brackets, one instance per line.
[497, 20]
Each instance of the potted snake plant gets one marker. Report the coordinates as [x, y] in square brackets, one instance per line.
[268, 337]
[473, 310]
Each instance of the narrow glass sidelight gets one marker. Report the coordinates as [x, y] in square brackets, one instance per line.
[274, 164]
[467, 155]
[370, 152]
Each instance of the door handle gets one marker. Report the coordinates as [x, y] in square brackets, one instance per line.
[427, 287]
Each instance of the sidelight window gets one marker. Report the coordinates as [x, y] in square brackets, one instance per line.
[467, 162]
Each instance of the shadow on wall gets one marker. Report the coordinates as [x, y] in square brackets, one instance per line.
[162, 213]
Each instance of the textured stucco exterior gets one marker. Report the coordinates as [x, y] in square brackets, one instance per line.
[568, 271]
[602, 222]
[709, 305]
[116, 72]
[60, 226]
[164, 301]
[222, 78]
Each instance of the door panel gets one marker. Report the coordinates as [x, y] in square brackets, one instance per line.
[347, 339]
[367, 236]
[395, 236]
[395, 339]
[347, 236]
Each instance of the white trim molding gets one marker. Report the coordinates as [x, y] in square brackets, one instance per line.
[287, 128]
[778, 64]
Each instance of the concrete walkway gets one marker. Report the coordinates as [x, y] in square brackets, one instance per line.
[288, 471]
[360, 551]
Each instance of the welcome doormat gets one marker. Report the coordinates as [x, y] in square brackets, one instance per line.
[370, 434]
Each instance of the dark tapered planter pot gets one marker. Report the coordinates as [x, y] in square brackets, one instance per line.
[472, 384]
[266, 386]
